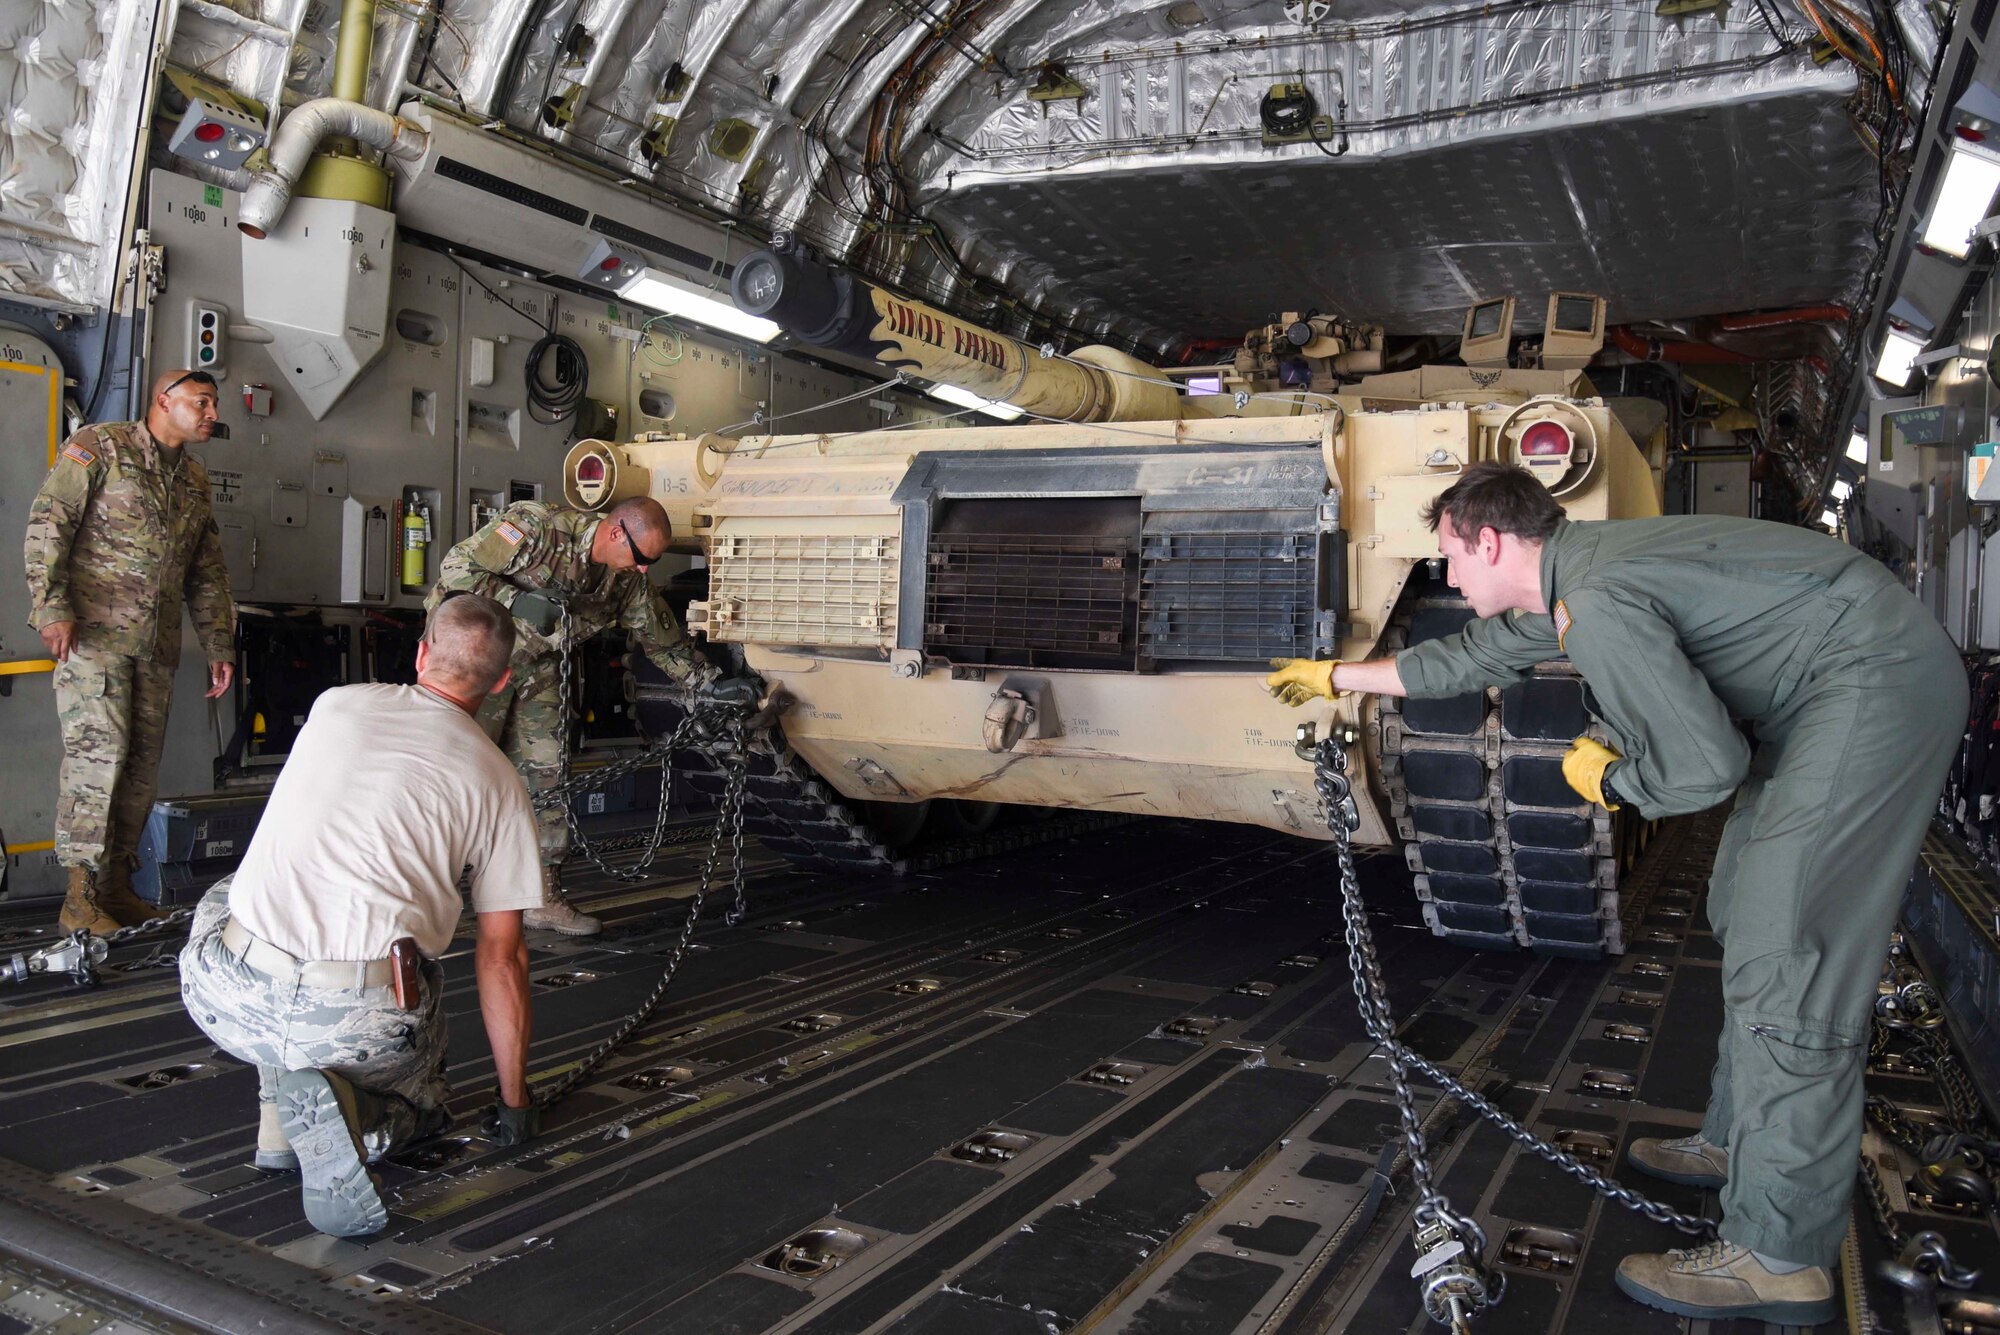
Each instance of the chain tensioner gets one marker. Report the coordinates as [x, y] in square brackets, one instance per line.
[1450, 1247]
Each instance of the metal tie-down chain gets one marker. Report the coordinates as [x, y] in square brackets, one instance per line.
[79, 953]
[637, 871]
[725, 731]
[1450, 1247]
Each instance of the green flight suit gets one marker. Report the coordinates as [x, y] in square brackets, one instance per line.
[1682, 627]
[530, 545]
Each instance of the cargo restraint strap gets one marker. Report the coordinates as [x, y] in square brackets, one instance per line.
[1450, 1270]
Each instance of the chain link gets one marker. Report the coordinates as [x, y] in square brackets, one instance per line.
[1371, 994]
[639, 870]
[724, 730]
[729, 818]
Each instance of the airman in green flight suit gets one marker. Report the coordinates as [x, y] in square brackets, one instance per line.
[1685, 627]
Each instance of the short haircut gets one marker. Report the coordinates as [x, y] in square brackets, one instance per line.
[645, 518]
[1496, 496]
[472, 640]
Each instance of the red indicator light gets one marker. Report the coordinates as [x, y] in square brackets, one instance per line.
[1544, 440]
[208, 132]
[612, 262]
[590, 468]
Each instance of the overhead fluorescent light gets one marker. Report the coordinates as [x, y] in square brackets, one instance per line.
[1857, 448]
[965, 398]
[1899, 356]
[1842, 489]
[1964, 196]
[664, 293]
[1828, 519]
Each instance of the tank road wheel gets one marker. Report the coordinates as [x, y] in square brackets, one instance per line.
[958, 818]
[1505, 853]
[895, 824]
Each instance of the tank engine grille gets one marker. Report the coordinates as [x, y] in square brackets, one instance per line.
[1228, 595]
[1023, 600]
[817, 588]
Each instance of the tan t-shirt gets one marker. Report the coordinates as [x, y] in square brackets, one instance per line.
[388, 792]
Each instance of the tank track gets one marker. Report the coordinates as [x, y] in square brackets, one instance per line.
[1505, 853]
[792, 812]
[795, 814]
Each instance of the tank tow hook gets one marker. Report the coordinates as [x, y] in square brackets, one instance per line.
[1451, 1270]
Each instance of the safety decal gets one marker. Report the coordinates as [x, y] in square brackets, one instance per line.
[510, 533]
[1563, 623]
[81, 453]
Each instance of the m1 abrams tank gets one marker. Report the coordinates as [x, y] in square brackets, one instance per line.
[1076, 610]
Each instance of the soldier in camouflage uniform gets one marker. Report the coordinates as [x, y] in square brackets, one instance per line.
[119, 536]
[533, 558]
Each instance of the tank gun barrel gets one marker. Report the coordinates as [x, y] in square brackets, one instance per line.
[832, 309]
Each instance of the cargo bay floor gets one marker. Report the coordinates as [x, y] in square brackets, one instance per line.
[1112, 1082]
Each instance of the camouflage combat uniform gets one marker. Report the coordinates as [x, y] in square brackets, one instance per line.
[118, 536]
[395, 1056]
[530, 545]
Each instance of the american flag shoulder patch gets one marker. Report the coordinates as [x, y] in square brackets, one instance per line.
[507, 530]
[1563, 623]
[82, 454]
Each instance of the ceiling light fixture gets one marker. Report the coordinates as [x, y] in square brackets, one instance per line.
[1964, 196]
[1900, 348]
[662, 291]
[1857, 448]
[1842, 489]
[1828, 519]
[965, 398]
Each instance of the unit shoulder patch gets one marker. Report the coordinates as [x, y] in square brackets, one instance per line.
[81, 454]
[511, 534]
[1563, 623]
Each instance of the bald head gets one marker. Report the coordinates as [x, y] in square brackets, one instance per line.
[633, 535]
[470, 639]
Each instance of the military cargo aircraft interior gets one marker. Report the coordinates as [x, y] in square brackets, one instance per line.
[1175, 667]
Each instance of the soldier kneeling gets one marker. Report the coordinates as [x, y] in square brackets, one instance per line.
[317, 960]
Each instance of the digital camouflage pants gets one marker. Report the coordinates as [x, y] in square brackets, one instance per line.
[525, 720]
[113, 711]
[361, 1035]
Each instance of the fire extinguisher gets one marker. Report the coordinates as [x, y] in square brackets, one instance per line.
[416, 544]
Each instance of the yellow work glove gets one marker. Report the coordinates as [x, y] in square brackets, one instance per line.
[1584, 767]
[1298, 680]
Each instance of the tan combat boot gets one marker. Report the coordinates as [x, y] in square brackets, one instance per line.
[1689, 1160]
[114, 892]
[555, 913]
[1720, 1281]
[83, 905]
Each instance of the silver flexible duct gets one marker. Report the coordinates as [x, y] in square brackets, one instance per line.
[300, 137]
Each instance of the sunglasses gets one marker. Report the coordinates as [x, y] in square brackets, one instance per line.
[199, 377]
[639, 558]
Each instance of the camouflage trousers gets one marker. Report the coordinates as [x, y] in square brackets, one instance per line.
[526, 721]
[113, 711]
[361, 1035]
